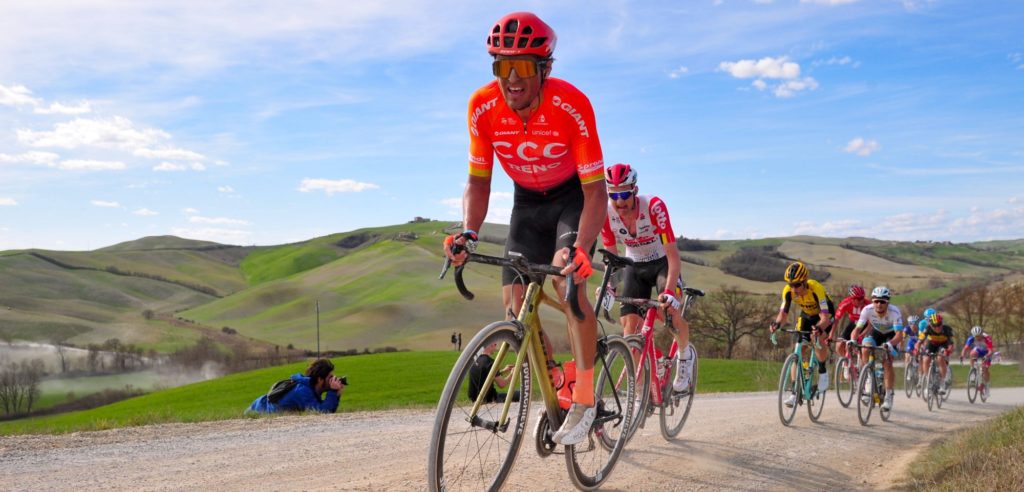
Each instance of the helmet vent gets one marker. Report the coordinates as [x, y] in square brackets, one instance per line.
[507, 41]
[536, 42]
[512, 26]
[522, 43]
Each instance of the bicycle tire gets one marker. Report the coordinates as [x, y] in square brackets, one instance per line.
[844, 388]
[931, 392]
[972, 385]
[676, 407]
[456, 460]
[880, 389]
[908, 380]
[590, 463]
[948, 385]
[866, 380]
[643, 382]
[787, 384]
[815, 405]
[984, 393]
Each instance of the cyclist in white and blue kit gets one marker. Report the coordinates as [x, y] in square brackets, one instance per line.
[886, 331]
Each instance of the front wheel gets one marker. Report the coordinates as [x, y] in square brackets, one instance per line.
[845, 384]
[972, 385]
[865, 394]
[475, 451]
[947, 384]
[788, 386]
[676, 405]
[643, 382]
[908, 379]
[591, 461]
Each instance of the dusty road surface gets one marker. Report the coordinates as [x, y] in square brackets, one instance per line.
[732, 441]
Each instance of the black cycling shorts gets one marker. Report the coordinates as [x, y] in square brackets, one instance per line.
[639, 278]
[542, 223]
[805, 325]
[848, 330]
[879, 337]
[932, 348]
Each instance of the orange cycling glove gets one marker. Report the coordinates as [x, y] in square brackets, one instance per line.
[582, 262]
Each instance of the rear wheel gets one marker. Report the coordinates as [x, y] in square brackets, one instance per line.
[972, 385]
[880, 390]
[908, 379]
[931, 388]
[677, 405]
[947, 383]
[787, 386]
[591, 461]
[844, 382]
[984, 392]
[865, 394]
[477, 453]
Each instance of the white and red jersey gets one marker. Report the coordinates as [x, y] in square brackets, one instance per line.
[653, 230]
[982, 342]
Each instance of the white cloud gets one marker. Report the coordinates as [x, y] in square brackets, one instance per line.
[190, 211]
[678, 72]
[170, 153]
[862, 147]
[225, 189]
[91, 165]
[105, 204]
[8, 202]
[32, 157]
[838, 60]
[787, 72]
[145, 212]
[17, 95]
[171, 167]
[767, 67]
[113, 133]
[1013, 199]
[1017, 59]
[224, 236]
[58, 108]
[499, 210]
[216, 220]
[791, 87]
[334, 186]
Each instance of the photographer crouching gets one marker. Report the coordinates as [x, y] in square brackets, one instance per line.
[303, 392]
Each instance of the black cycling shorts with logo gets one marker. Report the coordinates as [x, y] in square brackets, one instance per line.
[542, 223]
[639, 278]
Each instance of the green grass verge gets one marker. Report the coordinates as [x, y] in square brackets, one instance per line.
[986, 457]
[378, 381]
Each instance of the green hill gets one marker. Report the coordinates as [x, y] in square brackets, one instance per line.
[378, 286]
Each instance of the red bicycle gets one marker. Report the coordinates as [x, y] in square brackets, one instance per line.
[652, 366]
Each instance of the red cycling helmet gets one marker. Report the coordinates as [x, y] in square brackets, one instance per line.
[620, 175]
[856, 291]
[521, 33]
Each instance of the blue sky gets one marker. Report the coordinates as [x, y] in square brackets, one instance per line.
[271, 122]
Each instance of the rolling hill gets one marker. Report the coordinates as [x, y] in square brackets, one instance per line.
[378, 286]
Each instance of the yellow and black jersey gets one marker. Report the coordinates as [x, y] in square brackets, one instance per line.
[938, 334]
[813, 301]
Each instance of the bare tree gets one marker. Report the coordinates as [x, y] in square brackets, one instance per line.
[972, 305]
[19, 385]
[729, 315]
[59, 341]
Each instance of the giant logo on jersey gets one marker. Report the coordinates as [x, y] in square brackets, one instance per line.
[557, 101]
[479, 110]
[529, 151]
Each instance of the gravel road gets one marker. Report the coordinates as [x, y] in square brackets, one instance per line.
[732, 441]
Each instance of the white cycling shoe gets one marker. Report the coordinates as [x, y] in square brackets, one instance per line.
[576, 426]
[789, 402]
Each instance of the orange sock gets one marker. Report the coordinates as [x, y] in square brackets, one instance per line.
[583, 392]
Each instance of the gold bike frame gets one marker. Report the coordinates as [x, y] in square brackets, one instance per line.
[532, 348]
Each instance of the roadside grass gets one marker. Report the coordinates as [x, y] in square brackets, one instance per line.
[377, 381]
[982, 458]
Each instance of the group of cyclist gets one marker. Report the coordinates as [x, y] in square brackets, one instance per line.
[873, 322]
[543, 131]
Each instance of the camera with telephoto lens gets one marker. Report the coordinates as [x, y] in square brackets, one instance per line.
[343, 380]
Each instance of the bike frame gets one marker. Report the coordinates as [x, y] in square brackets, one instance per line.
[805, 376]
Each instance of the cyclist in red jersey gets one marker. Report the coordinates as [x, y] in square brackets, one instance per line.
[851, 307]
[543, 131]
[642, 225]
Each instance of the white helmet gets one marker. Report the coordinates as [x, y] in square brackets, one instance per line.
[976, 331]
[880, 292]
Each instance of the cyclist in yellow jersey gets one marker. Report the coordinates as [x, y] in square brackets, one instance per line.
[815, 316]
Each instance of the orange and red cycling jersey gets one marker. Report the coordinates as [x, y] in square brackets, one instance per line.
[851, 307]
[559, 140]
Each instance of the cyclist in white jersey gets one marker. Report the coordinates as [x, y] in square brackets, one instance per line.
[642, 224]
[886, 330]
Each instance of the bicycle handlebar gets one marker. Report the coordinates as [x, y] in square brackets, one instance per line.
[518, 263]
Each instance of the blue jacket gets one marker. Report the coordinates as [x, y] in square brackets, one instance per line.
[301, 397]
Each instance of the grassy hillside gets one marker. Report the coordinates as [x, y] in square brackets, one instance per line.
[40, 301]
